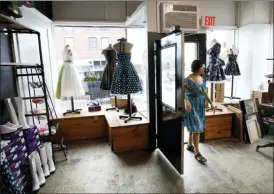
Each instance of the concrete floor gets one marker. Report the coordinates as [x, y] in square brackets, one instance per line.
[232, 167]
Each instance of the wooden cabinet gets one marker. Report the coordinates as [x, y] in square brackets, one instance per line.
[218, 125]
[129, 138]
[76, 128]
[126, 136]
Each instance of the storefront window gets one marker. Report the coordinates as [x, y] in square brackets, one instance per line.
[137, 36]
[88, 43]
[226, 39]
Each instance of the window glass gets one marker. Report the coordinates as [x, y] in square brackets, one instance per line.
[104, 42]
[90, 65]
[92, 44]
[226, 39]
[138, 59]
[190, 55]
[69, 41]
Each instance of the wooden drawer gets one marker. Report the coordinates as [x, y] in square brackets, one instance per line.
[218, 126]
[129, 138]
[84, 128]
[218, 133]
[218, 120]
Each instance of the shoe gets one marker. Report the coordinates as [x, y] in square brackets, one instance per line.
[43, 129]
[13, 125]
[49, 156]
[33, 171]
[11, 111]
[21, 112]
[7, 129]
[35, 84]
[38, 111]
[41, 175]
[38, 100]
[44, 159]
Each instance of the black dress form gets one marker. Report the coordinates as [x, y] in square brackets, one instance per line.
[232, 67]
[107, 78]
[214, 70]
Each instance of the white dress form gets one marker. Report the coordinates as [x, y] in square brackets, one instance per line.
[212, 43]
[71, 85]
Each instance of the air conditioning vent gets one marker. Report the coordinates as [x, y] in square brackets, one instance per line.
[186, 16]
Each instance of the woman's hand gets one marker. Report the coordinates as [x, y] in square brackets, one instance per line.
[188, 106]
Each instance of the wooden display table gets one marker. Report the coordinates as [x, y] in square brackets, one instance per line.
[82, 126]
[218, 125]
[127, 136]
[122, 136]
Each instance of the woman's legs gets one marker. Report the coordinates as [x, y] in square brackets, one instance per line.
[198, 156]
[196, 139]
[190, 139]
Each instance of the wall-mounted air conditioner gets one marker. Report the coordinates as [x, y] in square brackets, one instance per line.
[186, 16]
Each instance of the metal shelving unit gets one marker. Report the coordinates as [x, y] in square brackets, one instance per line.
[30, 71]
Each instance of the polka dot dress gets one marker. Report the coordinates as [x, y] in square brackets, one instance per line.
[125, 78]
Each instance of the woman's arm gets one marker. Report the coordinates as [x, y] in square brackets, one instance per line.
[187, 103]
[207, 99]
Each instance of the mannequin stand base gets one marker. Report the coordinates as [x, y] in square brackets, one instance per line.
[218, 109]
[264, 146]
[77, 111]
[114, 108]
[232, 97]
[129, 117]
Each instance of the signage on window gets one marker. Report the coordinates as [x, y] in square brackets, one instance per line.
[208, 21]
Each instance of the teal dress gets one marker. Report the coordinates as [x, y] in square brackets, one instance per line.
[195, 120]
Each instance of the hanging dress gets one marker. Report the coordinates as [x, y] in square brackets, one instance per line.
[214, 70]
[107, 77]
[232, 67]
[69, 83]
[125, 77]
[195, 120]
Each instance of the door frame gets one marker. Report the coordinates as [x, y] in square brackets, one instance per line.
[200, 39]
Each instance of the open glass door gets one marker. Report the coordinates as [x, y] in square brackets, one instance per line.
[170, 99]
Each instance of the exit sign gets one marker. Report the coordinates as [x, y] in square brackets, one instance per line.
[209, 21]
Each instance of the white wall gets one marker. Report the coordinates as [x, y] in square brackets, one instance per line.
[255, 43]
[225, 11]
[254, 12]
[28, 44]
[115, 11]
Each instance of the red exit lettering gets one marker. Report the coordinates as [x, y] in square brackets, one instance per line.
[209, 20]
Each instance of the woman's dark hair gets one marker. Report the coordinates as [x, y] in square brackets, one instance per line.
[196, 65]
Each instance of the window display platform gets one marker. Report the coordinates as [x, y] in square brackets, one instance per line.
[218, 125]
[127, 136]
[122, 136]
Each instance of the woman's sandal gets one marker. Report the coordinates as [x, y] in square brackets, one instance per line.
[200, 158]
[190, 148]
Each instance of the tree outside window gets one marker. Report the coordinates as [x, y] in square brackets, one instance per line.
[93, 46]
[104, 42]
[69, 41]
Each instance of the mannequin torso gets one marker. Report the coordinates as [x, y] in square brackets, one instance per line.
[67, 54]
[233, 50]
[123, 46]
[212, 43]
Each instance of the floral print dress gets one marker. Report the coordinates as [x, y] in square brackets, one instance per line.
[195, 120]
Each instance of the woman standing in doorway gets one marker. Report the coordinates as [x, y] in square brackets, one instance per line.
[195, 96]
